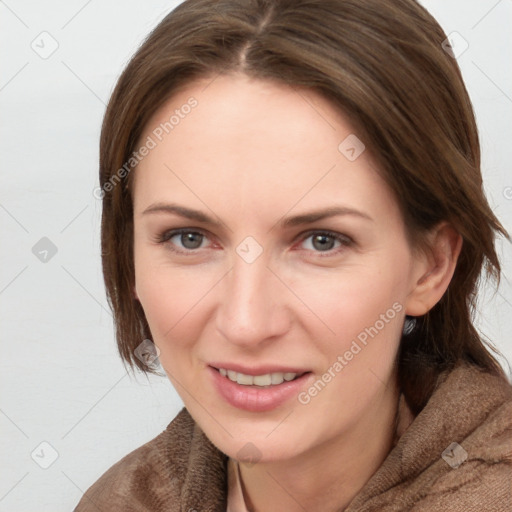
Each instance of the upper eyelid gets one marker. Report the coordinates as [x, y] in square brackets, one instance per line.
[329, 232]
[170, 233]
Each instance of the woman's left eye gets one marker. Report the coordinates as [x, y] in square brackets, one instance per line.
[322, 241]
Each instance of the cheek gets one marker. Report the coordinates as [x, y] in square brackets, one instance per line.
[351, 301]
[174, 301]
[368, 309]
[364, 313]
[165, 298]
[166, 301]
[359, 311]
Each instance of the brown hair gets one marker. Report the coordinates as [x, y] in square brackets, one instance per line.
[382, 63]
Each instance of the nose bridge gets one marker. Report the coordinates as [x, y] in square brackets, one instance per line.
[251, 309]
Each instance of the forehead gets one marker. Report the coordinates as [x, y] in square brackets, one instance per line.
[236, 109]
[254, 141]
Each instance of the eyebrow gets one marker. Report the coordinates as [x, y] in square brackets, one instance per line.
[181, 211]
[314, 216]
[285, 222]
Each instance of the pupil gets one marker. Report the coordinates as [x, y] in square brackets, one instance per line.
[323, 242]
[191, 240]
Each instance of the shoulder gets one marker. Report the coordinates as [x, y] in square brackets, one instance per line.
[455, 456]
[472, 414]
[149, 476]
[475, 469]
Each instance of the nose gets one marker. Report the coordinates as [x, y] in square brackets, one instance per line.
[252, 308]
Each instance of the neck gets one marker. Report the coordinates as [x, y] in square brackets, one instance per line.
[327, 477]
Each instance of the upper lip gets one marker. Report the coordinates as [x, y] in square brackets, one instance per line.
[258, 370]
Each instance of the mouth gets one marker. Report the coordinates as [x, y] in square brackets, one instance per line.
[263, 380]
[258, 390]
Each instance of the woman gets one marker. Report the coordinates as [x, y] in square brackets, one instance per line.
[294, 222]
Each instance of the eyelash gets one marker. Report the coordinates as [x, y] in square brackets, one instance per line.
[344, 240]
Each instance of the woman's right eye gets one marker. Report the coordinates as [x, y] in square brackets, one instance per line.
[183, 240]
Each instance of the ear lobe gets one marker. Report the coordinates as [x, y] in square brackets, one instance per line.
[435, 270]
[134, 293]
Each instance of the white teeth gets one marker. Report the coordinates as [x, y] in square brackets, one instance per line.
[276, 378]
[246, 380]
[266, 379]
[262, 380]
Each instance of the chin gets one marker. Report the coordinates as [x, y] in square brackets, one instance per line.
[249, 440]
[260, 450]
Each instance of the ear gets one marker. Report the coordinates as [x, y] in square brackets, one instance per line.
[434, 269]
[134, 293]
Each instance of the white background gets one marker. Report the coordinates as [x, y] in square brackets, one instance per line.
[61, 379]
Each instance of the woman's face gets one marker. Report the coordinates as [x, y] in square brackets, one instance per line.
[272, 264]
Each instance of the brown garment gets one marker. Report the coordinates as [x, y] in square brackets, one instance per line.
[180, 470]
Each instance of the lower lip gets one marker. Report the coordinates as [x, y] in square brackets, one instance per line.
[254, 398]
